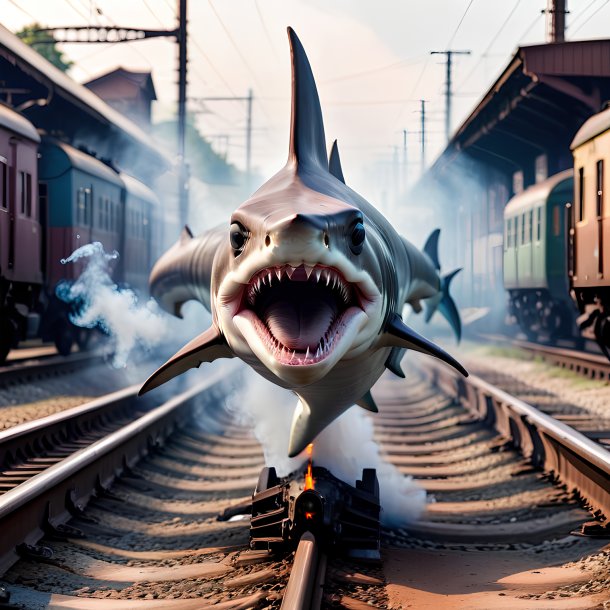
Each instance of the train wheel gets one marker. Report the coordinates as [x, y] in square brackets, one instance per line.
[602, 334]
[83, 336]
[64, 337]
[7, 337]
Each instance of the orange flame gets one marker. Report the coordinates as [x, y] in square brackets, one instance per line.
[309, 482]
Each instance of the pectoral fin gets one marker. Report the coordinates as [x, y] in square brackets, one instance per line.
[368, 402]
[207, 347]
[393, 361]
[398, 334]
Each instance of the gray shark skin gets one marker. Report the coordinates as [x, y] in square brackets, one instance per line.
[306, 283]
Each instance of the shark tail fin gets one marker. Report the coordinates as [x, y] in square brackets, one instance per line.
[431, 248]
[447, 306]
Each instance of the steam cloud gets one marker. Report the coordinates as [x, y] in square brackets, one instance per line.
[345, 447]
[99, 302]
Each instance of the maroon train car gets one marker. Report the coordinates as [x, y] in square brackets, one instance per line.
[20, 228]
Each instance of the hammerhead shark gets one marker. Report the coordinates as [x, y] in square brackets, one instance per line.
[307, 283]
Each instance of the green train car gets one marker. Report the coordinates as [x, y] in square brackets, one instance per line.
[536, 261]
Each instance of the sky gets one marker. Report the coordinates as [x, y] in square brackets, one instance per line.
[371, 60]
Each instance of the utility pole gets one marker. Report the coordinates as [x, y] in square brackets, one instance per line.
[404, 159]
[556, 11]
[115, 34]
[249, 141]
[423, 135]
[183, 179]
[248, 99]
[448, 92]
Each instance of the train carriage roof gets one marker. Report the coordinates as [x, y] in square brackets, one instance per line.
[85, 163]
[138, 189]
[17, 124]
[596, 125]
[536, 193]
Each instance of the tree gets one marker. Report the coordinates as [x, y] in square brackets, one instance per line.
[44, 44]
[205, 164]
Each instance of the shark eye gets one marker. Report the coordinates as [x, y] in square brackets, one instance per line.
[238, 235]
[357, 238]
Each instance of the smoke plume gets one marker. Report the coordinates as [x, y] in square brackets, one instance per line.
[345, 447]
[99, 303]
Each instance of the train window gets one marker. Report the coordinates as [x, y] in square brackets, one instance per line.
[581, 193]
[3, 182]
[530, 227]
[88, 206]
[556, 221]
[538, 223]
[28, 195]
[522, 229]
[80, 207]
[600, 188]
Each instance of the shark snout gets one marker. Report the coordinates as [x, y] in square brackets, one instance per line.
[307, 233]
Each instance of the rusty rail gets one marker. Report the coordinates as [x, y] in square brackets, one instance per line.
[48, 499]
[594, 366]
[304, 589]
[32, 369]
[550, 445]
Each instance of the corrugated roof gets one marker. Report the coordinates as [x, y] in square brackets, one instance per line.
[16, 51]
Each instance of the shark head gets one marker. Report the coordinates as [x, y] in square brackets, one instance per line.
[303, 287]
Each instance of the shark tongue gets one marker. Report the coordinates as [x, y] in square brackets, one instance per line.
[299, 318]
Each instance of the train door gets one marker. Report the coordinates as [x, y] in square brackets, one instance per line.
[599, 207]
[4, 213]
[12, 204]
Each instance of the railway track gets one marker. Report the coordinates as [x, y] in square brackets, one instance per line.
[591, 365]
[500, 532]
[29, 370]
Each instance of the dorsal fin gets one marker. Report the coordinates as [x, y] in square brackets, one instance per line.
[334, 163]
[307, 140]
[431, 248]
[185, 235]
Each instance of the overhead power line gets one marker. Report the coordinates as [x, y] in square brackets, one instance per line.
[448, 45]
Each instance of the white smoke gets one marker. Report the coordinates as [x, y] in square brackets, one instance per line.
[129, 323]
[345, 447]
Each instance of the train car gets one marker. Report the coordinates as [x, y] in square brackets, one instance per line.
[20, 227]
[82, 202]
[141, 243]
[590, 245]
[535, 258]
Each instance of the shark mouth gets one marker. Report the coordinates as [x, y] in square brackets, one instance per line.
[300, 313]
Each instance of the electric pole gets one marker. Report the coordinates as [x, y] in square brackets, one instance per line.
[248, 99]
[404, 159]
[448, 92]
[183, 179]
[423, 135]
[556, 11]
[115, 34]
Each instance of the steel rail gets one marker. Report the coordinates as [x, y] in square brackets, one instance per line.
[36, 368]
[594, 366]
[552, 446]
[304, 589]
[46, 500]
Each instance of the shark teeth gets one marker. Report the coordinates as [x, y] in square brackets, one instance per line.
[328, 276]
